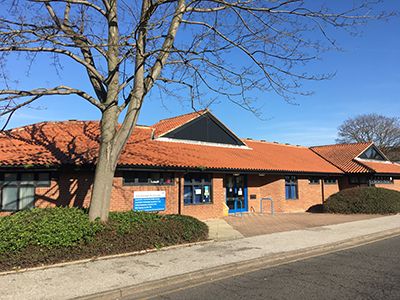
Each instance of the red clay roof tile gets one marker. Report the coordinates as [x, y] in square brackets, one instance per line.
[76, 142]
[166, 125]
[386, 167]
[343, 156]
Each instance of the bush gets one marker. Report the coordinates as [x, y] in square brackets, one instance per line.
[364, 200]
[46, 228]
[52, 235]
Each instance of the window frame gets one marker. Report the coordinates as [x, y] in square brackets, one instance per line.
[19, 183]
[311, 180]
[330, 181]
[134, 174]
[292, 181]
[379, 180]
[206, 179]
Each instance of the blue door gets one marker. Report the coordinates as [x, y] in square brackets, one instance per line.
[236, 193]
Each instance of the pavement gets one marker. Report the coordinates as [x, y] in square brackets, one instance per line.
[121, 277]
[255, 224]
[221, 230]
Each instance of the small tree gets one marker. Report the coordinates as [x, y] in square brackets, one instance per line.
[129, 47]
[383, 131]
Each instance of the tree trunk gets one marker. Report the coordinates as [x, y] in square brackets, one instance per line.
[102, 187]
[105, 169]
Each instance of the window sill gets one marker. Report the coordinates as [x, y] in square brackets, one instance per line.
[294, 199]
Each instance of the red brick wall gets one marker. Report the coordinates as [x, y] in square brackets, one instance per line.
[74, 189]
[209, 211]
[394, 186]
[274, 186]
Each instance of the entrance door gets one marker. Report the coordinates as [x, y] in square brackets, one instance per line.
[236, 193]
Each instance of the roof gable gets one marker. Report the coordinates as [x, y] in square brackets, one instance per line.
[373, 153]
[204, 128]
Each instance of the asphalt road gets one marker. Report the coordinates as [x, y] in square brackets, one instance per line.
[367, 272]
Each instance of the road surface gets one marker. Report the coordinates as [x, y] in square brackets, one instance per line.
[367, 272]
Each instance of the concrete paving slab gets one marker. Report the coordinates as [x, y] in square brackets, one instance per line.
[220, 230]
[104, 275]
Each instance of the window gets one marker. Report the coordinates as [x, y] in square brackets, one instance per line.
[148, 178]
[291, 190]
[197, 189]
[371, 153]
[358, 180]
[381, 180]
[18, 189]
[330, 181]
[313, 180]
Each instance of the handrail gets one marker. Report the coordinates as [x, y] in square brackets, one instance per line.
[267, 199]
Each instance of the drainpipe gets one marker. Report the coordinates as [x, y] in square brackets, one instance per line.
[180, 195]
[323, 190]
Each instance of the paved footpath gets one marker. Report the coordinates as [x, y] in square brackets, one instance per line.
[102, 275]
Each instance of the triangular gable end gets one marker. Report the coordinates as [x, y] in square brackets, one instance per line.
[205, 128]
[373, 153]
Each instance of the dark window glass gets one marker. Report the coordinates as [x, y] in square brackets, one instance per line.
[372, 153]
[198, 188]
[148, 178]
[43, 179]
[313, 180]
[330, 180]
[353, 180]
[291, 190]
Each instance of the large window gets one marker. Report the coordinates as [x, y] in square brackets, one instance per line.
[198, 188]
[18, 189]
[291, 188]
[148, 178]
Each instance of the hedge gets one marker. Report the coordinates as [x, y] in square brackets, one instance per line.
[52, 235]
[364, 200]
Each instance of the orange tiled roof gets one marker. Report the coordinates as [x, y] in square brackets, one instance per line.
[166, 125]
[343, 156]
[382, 167]
[76, 142]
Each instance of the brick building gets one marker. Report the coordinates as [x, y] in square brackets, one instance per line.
[191, 164]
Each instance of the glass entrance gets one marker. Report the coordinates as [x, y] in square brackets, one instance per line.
[236, 193]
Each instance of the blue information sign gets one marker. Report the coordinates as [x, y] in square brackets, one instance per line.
[149, 200]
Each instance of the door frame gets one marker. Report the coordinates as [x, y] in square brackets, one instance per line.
[245, 198]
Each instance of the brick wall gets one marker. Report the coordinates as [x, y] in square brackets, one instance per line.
[74, 189]
[394, 186]
[274, 186]
[212, 210]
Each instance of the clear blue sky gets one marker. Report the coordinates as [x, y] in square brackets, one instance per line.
[367, 80]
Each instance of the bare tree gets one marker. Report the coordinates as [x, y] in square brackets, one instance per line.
[130, 47]
[383, 131]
